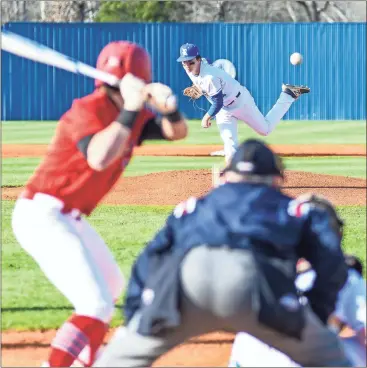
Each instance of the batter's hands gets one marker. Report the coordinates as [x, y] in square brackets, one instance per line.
[160, 97]
[205, 122]
[131, 89]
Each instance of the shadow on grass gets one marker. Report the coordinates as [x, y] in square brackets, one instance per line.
[37, 344]
[23, 345]
[40, 309]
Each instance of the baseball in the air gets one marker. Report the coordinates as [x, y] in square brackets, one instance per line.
[296, 58]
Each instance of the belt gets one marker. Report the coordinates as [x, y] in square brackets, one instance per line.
[238, 95]
[48, 200]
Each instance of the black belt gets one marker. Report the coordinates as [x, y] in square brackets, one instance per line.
[238, 95]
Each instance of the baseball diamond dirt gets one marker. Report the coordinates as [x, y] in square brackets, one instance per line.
[29, 348]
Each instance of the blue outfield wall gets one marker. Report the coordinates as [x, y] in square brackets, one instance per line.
[334, 64]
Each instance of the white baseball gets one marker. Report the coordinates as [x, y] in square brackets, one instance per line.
[296, 58]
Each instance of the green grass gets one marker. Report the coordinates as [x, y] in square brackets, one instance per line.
[287, 132]
[24, 132]
[333, 165]
[15, 171]
[29, 301]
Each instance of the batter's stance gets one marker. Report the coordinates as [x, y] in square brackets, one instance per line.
[227, 261]
[92, 145]
[230, 101]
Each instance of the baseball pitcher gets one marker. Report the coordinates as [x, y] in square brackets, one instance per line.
[93, 143]
[230, 101]
[227, 261]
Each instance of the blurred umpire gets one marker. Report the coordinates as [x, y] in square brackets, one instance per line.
[227, 261]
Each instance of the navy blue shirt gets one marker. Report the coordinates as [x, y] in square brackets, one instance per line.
[255, 217]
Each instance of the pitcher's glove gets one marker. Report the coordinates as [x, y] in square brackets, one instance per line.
[193, 92]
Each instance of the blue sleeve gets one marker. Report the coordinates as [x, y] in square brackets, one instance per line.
[321, 246]
[139, 273]
[135, 287]
[217, 104]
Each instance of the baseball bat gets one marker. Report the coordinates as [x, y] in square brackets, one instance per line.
[24, 47]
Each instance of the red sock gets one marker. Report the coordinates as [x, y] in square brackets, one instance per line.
[73, 336]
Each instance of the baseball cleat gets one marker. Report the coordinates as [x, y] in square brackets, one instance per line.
[294, 91]
[218, 153]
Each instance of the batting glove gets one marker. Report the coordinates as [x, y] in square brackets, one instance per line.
[131, 89]
[160, 97]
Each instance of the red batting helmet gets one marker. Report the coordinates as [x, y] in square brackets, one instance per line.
[122, 57]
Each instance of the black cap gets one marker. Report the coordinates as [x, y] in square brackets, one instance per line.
[255, 157]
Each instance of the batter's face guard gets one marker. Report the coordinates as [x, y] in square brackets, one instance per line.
[122, 57]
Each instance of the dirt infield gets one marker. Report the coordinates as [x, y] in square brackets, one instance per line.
[29, 349]
[21, 349]
[37, 150]
[171, 187]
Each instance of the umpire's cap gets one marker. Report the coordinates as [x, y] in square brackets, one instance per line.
[254, 157]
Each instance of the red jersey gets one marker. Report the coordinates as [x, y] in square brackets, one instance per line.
[64, 172]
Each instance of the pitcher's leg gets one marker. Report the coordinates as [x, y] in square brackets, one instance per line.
[227, 126]
[281, 107]
[264, 125]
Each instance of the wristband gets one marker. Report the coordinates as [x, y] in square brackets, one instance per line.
[127, 118]
[173, 117]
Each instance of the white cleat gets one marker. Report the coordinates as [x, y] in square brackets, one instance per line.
[218, 153]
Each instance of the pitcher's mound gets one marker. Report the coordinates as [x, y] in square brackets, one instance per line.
[169, 188]
[172, 187]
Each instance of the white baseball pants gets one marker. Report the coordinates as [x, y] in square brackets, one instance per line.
[244, 108]
[248, 351]
[71, 255]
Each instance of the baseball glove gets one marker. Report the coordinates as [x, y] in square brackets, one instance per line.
[193, 92]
